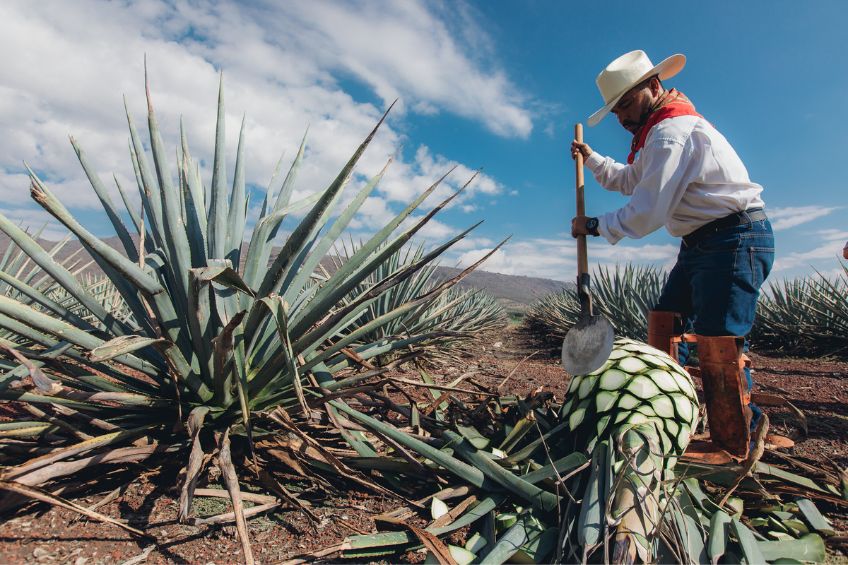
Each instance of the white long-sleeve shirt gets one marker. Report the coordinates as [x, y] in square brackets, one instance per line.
[685, 176]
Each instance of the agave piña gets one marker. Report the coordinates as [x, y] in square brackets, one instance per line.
[635, 415]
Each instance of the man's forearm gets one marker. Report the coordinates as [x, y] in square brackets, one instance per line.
[613, 176]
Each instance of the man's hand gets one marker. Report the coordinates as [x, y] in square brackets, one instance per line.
[582, 148]
[578, 226]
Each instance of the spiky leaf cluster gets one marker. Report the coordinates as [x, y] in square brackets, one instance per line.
[217, 330]
[807, 315]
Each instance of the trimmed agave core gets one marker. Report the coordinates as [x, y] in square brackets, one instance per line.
[638, 385]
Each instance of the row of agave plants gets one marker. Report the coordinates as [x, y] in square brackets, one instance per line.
[804, 316]
[244, 361]
[441, 329]
[450, 322]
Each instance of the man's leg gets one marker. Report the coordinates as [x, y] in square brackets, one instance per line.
[672, 313]
[728, 270]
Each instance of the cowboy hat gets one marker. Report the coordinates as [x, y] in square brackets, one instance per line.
[626, 72]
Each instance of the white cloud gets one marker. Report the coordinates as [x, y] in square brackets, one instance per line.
[407, 50]
[791, 216]
[831, 242]
[832, 234]
[285, 65]
[406, 180]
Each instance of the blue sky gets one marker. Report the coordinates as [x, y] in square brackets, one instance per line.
[494, 85]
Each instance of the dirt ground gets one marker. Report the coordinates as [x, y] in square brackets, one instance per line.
[819, 387]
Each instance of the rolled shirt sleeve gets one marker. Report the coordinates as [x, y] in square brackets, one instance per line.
[656, 183]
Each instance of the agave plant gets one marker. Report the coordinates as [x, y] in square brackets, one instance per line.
[218, 332]
[599, 479]
[23, 280]
[807, 315]
[635, 415]
[452, 320]
[624, 295]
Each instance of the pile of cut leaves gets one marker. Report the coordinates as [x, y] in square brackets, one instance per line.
[487, 478]
[500, 476]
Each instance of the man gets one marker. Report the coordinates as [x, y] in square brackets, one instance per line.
[683, 174]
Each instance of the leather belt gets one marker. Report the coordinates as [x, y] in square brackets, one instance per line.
[731, 221]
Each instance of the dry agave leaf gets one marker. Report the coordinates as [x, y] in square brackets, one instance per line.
[44, 496]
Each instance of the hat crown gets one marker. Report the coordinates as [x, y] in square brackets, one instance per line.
[623, 74]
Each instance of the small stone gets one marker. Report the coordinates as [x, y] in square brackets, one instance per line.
[42, 554]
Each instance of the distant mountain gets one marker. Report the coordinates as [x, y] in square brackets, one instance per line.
[514, 292]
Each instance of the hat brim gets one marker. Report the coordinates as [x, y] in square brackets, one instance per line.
[666, 69]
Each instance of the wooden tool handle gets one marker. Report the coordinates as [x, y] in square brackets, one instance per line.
[582, 254]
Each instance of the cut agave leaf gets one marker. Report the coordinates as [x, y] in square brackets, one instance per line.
[631, 365]
[459, 554]
[814, 518]
[810, 548]
[587, 385]
[643, 387]
[505, 520]
[476, 543]
[664, 380]
[438, 508]
[613, 379]
[576, 416]
[605, 400]
[618, 354]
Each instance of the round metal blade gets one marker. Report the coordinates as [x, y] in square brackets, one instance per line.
[587, 345]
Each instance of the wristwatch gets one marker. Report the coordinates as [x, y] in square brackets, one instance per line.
[592, 226]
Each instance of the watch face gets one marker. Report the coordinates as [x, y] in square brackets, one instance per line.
[592, 223]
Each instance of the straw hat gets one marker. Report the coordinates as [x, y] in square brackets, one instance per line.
[626, 72]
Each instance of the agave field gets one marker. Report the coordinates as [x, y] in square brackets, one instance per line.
[624, 295]
[300, 398]
[806, 316]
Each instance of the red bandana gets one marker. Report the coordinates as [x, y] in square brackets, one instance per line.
[670, 105]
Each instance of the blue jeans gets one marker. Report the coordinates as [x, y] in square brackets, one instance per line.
[716, 281]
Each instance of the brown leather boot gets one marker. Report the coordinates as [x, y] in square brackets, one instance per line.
[722, 363]
[663, 327]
